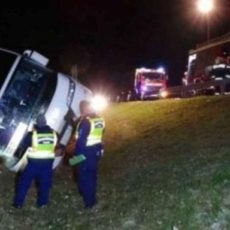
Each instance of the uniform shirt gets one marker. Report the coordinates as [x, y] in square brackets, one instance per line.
[83, 133]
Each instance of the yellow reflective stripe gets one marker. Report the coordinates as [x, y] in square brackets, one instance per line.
[55, 138]
[91, 142]
[41, 155]
[77, 129]
[34, 139]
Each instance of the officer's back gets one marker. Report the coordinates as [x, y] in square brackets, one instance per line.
[40, 144]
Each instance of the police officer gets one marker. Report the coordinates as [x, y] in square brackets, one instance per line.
[88, 151]
[40, 145]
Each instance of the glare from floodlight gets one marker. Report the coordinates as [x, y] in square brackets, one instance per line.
[205, 6]
[99, 103]
[164, 94]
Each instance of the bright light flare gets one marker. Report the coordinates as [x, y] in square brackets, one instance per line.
[161, 70]
[99, 103]
[205, 6]
[164, 94]
[144, 88]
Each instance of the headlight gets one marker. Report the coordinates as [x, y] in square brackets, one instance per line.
[99, 102]
[164, 94]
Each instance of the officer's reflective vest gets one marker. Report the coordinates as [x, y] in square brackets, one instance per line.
[97, 125]
[43, 145]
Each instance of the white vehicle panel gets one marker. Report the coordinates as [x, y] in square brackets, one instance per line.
[81, 93]
[58, 106]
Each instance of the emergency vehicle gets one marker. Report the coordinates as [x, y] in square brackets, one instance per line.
[27, 88]
[209, 61]
[149, 83]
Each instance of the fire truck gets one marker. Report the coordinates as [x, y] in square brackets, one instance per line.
[208, 70]
[27, 88]
[149, 83]
[209, 61]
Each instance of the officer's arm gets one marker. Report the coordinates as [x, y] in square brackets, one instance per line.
[84, 129]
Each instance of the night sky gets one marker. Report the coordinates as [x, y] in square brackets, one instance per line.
[109, 39]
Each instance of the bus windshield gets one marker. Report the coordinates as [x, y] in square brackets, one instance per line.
[6, 62]
[22, 99]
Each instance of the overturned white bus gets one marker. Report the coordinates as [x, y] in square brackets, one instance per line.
[27, 88]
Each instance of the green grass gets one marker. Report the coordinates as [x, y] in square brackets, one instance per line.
[166, 167]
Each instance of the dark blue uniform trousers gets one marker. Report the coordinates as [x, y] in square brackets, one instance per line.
[87, 183]
[39, 170]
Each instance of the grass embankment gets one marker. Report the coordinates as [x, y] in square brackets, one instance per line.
[166, 167]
